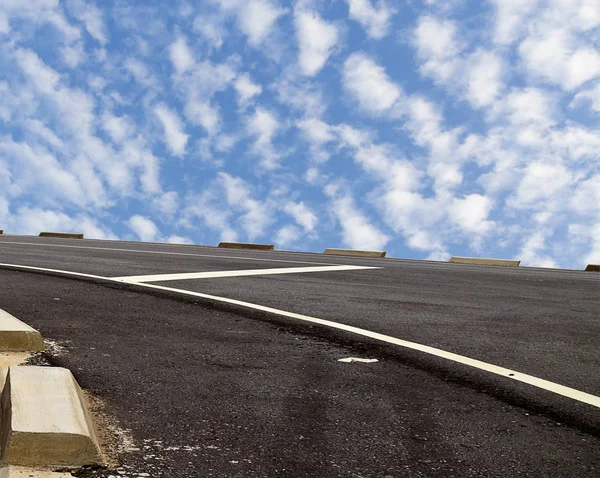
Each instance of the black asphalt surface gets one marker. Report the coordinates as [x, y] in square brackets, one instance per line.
[207, 389]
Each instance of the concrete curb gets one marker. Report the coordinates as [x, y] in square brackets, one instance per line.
[354, 253]
[45, 422]
[484, 261]
[63, 235]
[16, 336]
[21, 472]
[244, 245]
[593, 268]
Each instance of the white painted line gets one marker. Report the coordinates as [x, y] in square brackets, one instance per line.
[556, 388]
[250, 272]
[57, 271]
[355, 359]
[242, 258]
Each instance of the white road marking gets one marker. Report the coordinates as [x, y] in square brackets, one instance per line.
[360, 360]
[166, 253]
[238, 273]
[547, 385]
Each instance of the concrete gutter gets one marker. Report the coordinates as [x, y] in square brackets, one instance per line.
[484, 262]
[63, 235]
[16, 336]
[45, 422]
[244, 245]
[354, 253]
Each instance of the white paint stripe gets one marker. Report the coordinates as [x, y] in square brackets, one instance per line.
[250, 272]
[241, 258]
[57, 271]
[504, 372]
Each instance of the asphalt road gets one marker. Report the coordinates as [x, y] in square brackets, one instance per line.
[205, 388]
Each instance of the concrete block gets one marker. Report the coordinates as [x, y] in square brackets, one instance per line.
[354, 253]
[485, 262]
[45, 422]
[16, 336]
[593, 268]
[22, 472]
[243, 245]
[63, 235]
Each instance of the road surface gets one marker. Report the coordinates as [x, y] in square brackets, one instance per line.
[225, 386]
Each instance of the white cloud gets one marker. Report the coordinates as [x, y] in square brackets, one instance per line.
[318, 134]
[139, 71]
[256, 19]
[532, 251]
[143, 227]
[246, 89]
[437, 47]
[175, 239]
[375, 20]
[316, 40]
[590, 96]
[197, 84]
[118, 127]
[511, 18]
[557, 56]
[167, 204]
[316, 131]
[477, 76]
[541, 181]
[37, 13]
[175, 137]
[91, 17]
[41, 132]
[204, 114]
[73, 54]
[300, 95]
[484, 71]
[302, 215]
[588, 235]
[471, 214]
[369, 84]
[39, 171]
[28, 220]
[287, 235]
[44, 78]
[357, 230]
[525, 106]
[255, 217]
[586, 196]
[264, 125]
[181, 56]
[211, 29]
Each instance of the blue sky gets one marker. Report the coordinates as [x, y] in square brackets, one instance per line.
[424, 128]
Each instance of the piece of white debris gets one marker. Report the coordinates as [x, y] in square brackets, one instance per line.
[354, 359]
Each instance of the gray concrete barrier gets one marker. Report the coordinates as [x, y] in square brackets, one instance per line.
[16, 336]
[484, 261]
[244, 245]
[354, 253]
[64, 235]
[22, 472]
[45, 422]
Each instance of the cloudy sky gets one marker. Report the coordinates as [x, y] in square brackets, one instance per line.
[421, 127]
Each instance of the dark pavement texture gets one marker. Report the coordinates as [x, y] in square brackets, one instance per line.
[212, 390]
